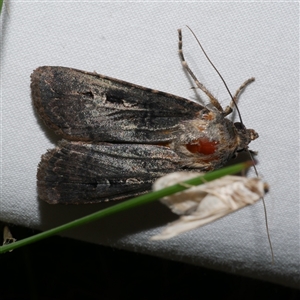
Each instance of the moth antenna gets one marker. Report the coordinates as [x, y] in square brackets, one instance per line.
[265, 212]
[228, 110]
[223, 80]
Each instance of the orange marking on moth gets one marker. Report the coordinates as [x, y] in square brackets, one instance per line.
[203, 146]
[210, 116]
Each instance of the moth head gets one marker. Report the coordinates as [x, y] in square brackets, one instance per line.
[245, 135]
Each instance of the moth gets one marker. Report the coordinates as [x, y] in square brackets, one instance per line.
[203, 204]
[118, 137]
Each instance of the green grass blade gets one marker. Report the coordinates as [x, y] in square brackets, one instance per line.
[1, 5]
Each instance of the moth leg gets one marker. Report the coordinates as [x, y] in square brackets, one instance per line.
[229, 108]
[212, 99]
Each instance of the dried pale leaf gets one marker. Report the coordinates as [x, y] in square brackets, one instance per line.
[205, 203]
[7, 237]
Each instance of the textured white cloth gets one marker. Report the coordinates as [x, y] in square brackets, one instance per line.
[137, 42]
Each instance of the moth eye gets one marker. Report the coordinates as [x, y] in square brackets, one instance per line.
[203, 146]
[239, 126]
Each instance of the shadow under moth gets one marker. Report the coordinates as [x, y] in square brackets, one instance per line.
[118, 137]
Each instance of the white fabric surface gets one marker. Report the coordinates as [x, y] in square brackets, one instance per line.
[137, 42]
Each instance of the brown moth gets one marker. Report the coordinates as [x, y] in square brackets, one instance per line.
[118, 137]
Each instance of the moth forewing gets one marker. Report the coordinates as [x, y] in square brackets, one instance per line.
[77, 172]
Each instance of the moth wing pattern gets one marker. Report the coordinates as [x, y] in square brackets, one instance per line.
[78, 172]
[84, 106]
[120, 137]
